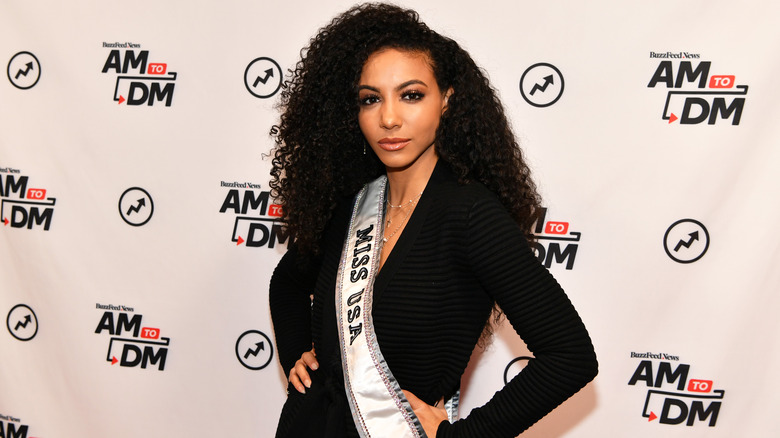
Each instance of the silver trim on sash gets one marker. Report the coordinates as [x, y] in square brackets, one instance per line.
[378, 405]
[451, 406]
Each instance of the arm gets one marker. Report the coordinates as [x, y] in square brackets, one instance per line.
[540, 313]
[289, 299]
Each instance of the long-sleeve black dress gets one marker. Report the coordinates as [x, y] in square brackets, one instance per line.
[458, 253]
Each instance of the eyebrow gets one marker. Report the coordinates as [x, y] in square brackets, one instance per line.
[400, 87]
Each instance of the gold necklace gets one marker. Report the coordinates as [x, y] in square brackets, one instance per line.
[405, 203]
[408, 213]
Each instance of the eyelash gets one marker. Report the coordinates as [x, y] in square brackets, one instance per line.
[368, 100]
[411, 96]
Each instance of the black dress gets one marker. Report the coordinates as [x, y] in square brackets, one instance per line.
[459, 252]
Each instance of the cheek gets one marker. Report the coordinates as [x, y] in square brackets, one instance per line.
[428, 120]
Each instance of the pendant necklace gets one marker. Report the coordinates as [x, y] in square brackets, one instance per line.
[410, 204]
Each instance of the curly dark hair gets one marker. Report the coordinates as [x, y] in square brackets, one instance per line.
[319, 158]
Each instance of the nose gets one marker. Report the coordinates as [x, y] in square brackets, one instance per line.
[389, 117]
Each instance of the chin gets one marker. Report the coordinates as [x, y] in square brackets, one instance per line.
[397, 163]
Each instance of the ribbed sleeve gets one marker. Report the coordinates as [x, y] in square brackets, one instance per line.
[536, 306]
[459, 253]
[290, 303]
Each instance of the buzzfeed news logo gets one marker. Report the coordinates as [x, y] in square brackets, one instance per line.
[257, 221]
[695, 95]
[23, 206]
[134, 344]
[672, 398]
[555, 243]
[138, 81]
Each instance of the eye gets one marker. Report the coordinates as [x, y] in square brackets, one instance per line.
[369, 99]
[412, 95]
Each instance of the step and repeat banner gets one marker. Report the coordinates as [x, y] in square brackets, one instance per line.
[138, 235]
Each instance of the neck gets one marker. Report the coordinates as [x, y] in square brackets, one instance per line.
[407, 183]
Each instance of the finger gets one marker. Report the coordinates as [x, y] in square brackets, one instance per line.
[310, 359]
[303, 373]
[442, 411]
[414, 402]
[296, 382]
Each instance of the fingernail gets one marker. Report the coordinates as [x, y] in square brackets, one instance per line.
[315, 365]
[307, 383]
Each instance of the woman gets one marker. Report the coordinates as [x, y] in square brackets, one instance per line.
[410, 207]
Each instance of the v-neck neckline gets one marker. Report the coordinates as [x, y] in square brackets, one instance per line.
[406, 239]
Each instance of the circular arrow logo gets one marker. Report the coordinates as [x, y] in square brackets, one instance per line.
[22, 322]
[686, 241]
[263, 77]
[136, 206]
[24, 70]
[254, 350]
[541, 85]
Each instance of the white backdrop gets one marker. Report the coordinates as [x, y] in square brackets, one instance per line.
[137, 244]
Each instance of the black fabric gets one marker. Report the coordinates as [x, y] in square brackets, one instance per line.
[323, 411]
[459, 252]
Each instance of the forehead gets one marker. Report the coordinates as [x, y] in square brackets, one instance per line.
[394, 64]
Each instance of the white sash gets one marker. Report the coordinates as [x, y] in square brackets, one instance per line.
[378, 405]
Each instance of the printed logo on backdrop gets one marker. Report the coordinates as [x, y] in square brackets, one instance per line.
[131, 344]
[541, 85]
[256, 222]
[22, 322]
[254, 350]
[697, 92]
[136, 206]
[686, 241]
[555, 244]
[21, 204]
[12, 427]
[263, 77]
[24, 70]
[672, 398]
[138, 81]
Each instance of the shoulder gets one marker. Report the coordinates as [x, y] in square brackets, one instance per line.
[464, 211]
[447, 190]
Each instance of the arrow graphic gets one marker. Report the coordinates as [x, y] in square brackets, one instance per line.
[240, 240]
[547, 81]
[693, 237]
[114, 360]
[652, 416]
[121, 99]
[260, 346]
[136, 208]
[672, 118]
[27, 320]
[268, 74]
[5, 221]
[25, 71]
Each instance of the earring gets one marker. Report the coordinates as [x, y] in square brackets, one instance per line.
[364, 148]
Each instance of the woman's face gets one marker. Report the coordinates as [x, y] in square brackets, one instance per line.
[400, 108]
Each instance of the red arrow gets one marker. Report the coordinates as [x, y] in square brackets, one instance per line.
[652, 416]
[5, 221]
[240, 241]
[672, 118]
[121, 99]
[114, 360]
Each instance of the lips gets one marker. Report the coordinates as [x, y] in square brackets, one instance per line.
[393, 144]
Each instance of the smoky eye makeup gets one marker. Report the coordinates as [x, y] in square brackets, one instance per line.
[412, 95]
[368, 99]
